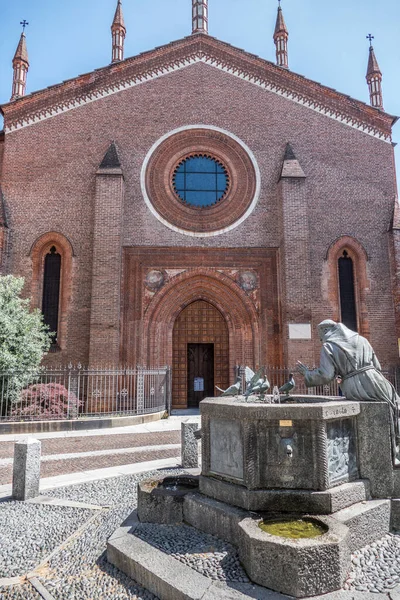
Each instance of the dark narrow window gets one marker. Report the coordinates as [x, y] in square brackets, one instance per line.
[51, 290]
[347, 291]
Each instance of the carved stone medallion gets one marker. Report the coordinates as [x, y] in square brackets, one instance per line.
[248, 281]
[154, 280]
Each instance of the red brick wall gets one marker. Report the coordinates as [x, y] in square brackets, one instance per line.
[107, 250]
[49, 184]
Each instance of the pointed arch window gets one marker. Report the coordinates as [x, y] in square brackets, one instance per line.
[52, 278]
[347, 290]
[51, 291]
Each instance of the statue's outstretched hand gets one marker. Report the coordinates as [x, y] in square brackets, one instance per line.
[302, 368]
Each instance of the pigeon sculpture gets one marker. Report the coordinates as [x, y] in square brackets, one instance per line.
[256, 383]
[232, 390]
[287, 387]
[265, 386]
[261, 387]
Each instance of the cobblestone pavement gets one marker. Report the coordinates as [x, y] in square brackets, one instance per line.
[78, 569]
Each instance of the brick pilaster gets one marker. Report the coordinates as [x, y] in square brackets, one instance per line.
[107, 261]
[394, 253]
[295, 260]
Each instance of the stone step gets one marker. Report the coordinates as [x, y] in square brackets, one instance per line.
[213, 516]
[290, 501]
[395, 514]
[168, 578]
[396, 483]
[368, 521]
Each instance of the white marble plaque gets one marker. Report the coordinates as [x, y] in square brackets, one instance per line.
[226, 448]
[300, 331]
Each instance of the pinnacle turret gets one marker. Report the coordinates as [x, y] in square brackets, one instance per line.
[20, 66]
[281, 36]
[118, 31]
[374, 77]
[200, 16]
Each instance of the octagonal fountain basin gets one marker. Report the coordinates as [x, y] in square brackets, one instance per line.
[299, 556]
[294, 529]
[161, 500]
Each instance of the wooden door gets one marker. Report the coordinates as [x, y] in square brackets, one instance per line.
[200, 323]
[200, 373]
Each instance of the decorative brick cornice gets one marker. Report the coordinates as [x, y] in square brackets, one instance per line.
[175, 56]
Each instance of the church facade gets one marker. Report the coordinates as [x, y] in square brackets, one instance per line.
[200, 207]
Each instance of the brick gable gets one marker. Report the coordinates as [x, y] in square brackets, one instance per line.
[178, 55]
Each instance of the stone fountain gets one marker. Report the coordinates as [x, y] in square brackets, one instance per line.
[328, 459]
[325, 461]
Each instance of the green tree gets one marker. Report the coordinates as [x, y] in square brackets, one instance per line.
[24, 339]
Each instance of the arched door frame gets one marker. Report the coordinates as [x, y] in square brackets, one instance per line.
[219, 290]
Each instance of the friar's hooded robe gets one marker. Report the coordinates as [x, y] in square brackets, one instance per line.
[350, 356]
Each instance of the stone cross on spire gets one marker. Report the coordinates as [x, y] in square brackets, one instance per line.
[374, 77]
[118, 32]
[20, 66]
[200, 16]
[281, 36]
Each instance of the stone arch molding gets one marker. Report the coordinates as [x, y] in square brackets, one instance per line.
[359, 256]
[38, 253]
[220, 291]
[248, 196]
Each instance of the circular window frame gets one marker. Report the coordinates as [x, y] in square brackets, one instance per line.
[228, 213]
[216, 160]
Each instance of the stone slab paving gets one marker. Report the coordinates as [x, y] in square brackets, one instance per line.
[93, 443]
[75, 465]
[93, 455]
[173, 423]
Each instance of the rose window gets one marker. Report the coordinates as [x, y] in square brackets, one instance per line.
[200, 181]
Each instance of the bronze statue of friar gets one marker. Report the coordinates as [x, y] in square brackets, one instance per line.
[350, 356]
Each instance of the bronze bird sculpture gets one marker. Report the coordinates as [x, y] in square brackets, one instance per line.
[257, 383]
[287, 387]
[232, 390]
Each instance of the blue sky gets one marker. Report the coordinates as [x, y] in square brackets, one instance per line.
[327, 38]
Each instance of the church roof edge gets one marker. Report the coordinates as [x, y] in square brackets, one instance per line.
[205, 48]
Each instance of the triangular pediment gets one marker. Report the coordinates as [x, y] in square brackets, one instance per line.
[199, 48]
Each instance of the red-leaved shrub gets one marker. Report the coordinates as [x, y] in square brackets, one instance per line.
[46, 401]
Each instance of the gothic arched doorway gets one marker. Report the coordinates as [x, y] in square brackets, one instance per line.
[200, 354]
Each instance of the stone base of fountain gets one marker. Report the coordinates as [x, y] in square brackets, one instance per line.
[161, 500]
[329, 461]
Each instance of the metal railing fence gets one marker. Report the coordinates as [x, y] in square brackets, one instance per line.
[280, 375]
[77, 392]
